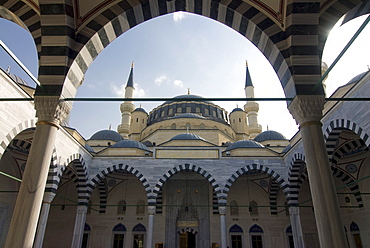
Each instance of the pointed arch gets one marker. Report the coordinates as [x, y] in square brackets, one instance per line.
[294, 179]
[333, 131]
[255, 229]
[129, 169]
[244, 170]
[187, 167]
[119, 228]
[236, 228]
[139, 228]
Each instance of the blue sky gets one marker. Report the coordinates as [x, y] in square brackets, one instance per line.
[179, 51]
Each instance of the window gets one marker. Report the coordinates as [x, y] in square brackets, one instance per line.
[197, 110]
[162, 114]
[188, 126]
[236, 233]
[139, 236]
[202, 126]
[289, 234]
[234, 209]
[206, 111]
[240, 120]
[118, 235]
[256, 233]
[140, 207]
[85, 237]
[121, 208]
[179, 110]
[137, 119]
[173, 126]
[253, 208]
[355, 230]
[170, 111]
[188, 110]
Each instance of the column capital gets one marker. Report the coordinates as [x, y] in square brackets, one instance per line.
[222, 210]
[50, 109]
[307, 108]
[151, 210]
[48, 197]
[294, 210]
[81, 209]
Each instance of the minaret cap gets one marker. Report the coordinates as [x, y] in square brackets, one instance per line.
[130, 81]
[248, 80]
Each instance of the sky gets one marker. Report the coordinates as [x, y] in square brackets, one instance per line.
[179, 51]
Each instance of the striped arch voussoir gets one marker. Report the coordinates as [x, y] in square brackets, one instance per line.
[274, 176]
[96, 181]
[294, 178]
[186, 167]
[333, 131]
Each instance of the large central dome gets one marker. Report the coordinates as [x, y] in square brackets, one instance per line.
[187, 104]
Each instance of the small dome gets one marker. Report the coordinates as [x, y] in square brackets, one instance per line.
[244, 144]
[187, 136]
[188, 115]
[140, 110]
[130, 144]
[269, 135]
[237, 109]
[357, 78]
[107, 135]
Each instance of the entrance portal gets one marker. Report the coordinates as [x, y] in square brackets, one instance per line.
[187, 240]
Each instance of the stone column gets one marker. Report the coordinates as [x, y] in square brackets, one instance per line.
[79, 228]
[295, 222]
[149, 235]
[307, 111]
[27, 208]
[48, 198]
[222, 211]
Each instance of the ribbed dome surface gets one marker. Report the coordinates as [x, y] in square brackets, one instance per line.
[130, 144]
[269, 135]
[244, 144]
[188, 115]
[187, 136]
[107, 135]
[357, 78]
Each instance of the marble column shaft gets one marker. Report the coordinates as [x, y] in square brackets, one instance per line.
[296, 225]
[307, 110]
[79, 228]
[48, 198]
[222, 211]
[28, 205]
[149, 236]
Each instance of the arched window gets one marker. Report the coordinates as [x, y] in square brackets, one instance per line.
[188, 126]
[236, 233]
[140, 207]
[119, 232]
[162, 113]
[197, 110]
[206, 111]
[234, 209]
[173, 126]
[240, 120]
[256, 235]
[355, 230]
[170, 111]
[179, 110]
[253, 208]
[121, 208]
[202, 126]
[139, 236]
[85, 237]
[289, 235]
[188, 109]
[137, 119]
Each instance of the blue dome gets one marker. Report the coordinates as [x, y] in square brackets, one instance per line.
[187, 136]
[188, 115]
[186, 97]
[237, 109]
[244, 144]
[357, 78]
[130, 144]
[107, 135]
[269, 135]
[141, 110]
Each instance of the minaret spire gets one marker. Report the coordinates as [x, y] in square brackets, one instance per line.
[127, 106]
[251, 107]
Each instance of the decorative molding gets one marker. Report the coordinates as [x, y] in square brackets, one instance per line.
[307, 108]
[49, 108]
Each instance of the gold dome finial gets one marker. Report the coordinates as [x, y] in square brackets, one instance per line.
[188, 91]
[246, 62]
[132, 64]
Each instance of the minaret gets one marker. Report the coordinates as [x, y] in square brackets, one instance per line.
[127, 106]
[251, 107]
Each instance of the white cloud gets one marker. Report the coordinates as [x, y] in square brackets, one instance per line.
[161, 79]
[178, 16]
[118, 91]
[178, 83]
[139, 92]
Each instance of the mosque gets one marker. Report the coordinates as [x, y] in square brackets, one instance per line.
[187, 174]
